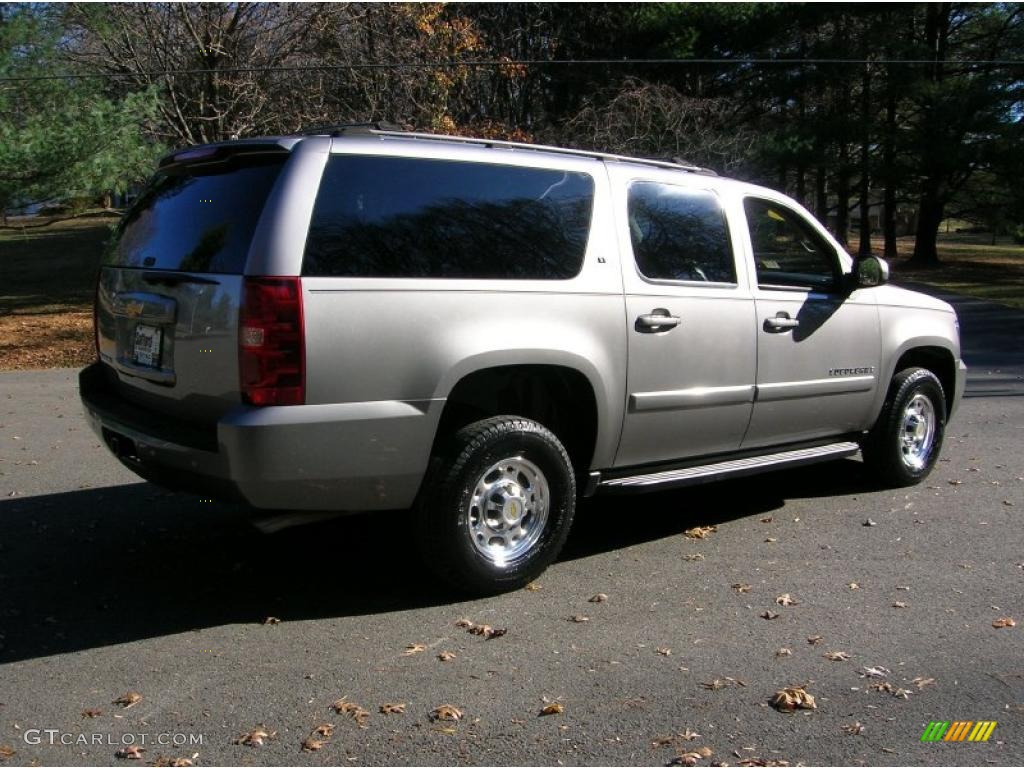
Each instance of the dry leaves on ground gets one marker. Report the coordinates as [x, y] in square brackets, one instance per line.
[700, 532]
[579, 619]
[663, 650]
[414, 648]
[533, 586]
[694, 557]
[313, 744]
[784, 652]
[446, 656]
[130, 753]
[128, 700]
[91, 713]
[486, 631]
[887, 687]
[854, 728]
[786, 599]
[922, 682]
[257, 737]
[447, 713]
[6, 751]
[554, 708]
[349, 708]
[392, 709]
[814, 639]
[793, 698]
[172, 762]
[769, 615]
[691, 758]
[761, 762]
[600, 597]
[874, 671]
[853, 585]
[741, 587]
[899, 604]
[1004, 623]
[837, 656]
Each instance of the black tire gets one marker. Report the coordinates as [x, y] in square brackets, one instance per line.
[446, 521]
[884, 451]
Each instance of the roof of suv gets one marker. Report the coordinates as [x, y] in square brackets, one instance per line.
[366, 130]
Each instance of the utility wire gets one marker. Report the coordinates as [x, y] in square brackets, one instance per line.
[510, 63]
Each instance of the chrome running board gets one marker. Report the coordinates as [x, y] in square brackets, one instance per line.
[726, 469]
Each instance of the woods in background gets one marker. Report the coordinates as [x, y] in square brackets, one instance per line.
[882, 119]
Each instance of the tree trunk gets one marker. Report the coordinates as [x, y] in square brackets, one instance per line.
[864, 190]
[842, 232]
[889, 169]
[821, 194]
[929, 219]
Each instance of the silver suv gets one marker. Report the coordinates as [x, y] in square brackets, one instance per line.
[483, 331]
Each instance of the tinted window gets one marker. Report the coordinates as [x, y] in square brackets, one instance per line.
[196, 219]
[787, 250]
[679, 234]
[403, 217]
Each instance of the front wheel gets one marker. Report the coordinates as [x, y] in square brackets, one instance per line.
[905, 442]
[496, 506]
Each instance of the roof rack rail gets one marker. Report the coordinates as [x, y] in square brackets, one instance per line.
[350, 129]
[490, 143]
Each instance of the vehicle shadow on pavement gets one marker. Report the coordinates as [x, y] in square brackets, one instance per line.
[99, 567]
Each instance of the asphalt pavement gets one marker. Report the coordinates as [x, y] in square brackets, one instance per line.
[110, 586]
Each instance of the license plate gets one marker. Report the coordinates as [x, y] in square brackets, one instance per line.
[146, 350]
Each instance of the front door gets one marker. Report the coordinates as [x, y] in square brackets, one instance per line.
[690, 316]
[818, 344]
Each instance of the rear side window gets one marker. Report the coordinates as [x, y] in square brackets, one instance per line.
[408, 217]
[679, 234]
[197, 218]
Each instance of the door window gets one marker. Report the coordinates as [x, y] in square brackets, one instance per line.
[787, 250]
[679, 234]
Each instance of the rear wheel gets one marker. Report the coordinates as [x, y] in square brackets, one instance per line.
[496, 506]
[905, 442]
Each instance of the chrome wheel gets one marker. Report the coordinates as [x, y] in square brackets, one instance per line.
[508, 510]
[917, 433]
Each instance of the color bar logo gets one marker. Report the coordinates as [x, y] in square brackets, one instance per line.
[960, 730]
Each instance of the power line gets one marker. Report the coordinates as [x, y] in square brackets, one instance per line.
[510, 63]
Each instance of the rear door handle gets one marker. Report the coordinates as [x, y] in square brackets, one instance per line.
[781, 323]
[658, 320]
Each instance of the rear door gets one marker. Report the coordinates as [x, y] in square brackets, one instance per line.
[690, 321]
[818, 343]
[171, 281]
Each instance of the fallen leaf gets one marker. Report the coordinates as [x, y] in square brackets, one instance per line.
[271, 621]
[176, 762]
[392, 709]
[784, 652]
[554, 708]
[855, 728]
[600, 597]
[769, 615]
[853, 585]
[128, 700]
[899, 604]
[767, 519]
[786, 599]
[922, 682]
[770, 540]
[815, 639]
[695, 556]
[446, 712]
[257, 737]
[1004, 622]
[447, 731]
[91, 713]
[714, 685]
[311, 744]
[689, 735]
[700, 532]
[664, 651]
[760, 762]
[579, 619]
[741, 587]
[130, 753]
[464, 624]
[414, 648]
[955, 482]
[324, 731]
[345, 707]
[6, 751]
[533, 586]
[887, 687]
[869, 523]
[837, 656]
[874, 672]
[446, 655]
[487, 631]
[793, 698]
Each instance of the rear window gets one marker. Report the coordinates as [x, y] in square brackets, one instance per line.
[196, 218]
[407, 217]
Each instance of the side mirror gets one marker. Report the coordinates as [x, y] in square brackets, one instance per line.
[871, 271]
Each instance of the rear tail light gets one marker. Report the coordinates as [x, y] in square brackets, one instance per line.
[271, 348]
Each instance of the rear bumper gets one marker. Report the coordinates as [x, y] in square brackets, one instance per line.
[349, 456]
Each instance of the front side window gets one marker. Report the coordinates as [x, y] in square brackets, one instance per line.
[411, 217]
[788, 252]
[679, 234]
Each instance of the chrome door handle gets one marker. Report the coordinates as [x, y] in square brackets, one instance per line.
[658, 320]
[781, 322]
